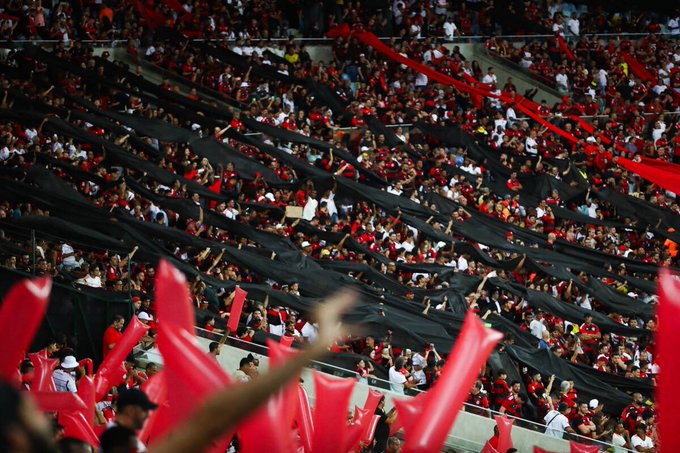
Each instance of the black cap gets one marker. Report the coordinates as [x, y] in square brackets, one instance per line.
[135, 397]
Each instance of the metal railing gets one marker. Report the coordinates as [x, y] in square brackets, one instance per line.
[463, 39]
[380, 383]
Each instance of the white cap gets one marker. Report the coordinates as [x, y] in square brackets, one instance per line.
[144, 316]
[269, 196]
[305, 244]
[69, 362]
[593, 403]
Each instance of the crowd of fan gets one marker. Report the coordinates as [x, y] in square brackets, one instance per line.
[595, 69]
[256, 19]
[374, 86]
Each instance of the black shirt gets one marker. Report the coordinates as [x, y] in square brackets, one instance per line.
[382, 432]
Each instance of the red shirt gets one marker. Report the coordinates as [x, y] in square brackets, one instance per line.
[111, 337]
[512, 406]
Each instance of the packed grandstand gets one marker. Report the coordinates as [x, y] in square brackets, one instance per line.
[215, 135]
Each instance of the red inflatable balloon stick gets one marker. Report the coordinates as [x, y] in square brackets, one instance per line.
[667, 339]
[489, 449]
[173, 301]
[270, 429]
[108, 373]
[58, 401]
[86, 391]
[42, 374]
[369, 430]
[575, 447]
[303, 417]
[504, 424]
[408, 410]
[472, 348]
[77, 427]
[330, 413]
[24, 306]
[356, 429]
[372, 400]
[157, 391]
[540, 450]
[190, 375]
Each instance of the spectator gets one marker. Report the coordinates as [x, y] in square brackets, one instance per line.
[65, 375]
[641, 441]
[132, 410]
[557, 423]
[112, 335]
[399, 378]
[244, 371]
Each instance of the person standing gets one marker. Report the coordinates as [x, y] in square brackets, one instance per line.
[557, 423]
[382, 429]
[398, 380]
[65, 376]
[132, 411]
[113, 334]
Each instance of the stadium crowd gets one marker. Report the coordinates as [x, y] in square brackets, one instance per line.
[372, 86]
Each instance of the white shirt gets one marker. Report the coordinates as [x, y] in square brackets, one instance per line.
[63, 381]
[574, 26]
[397, 381]
[558, 29]
[530, 145]
[419, 377]
[310, 209]
[330, 204]
[618, 441]
[636, 441]
[95, 282]
[537, 328]
[556, 423]
[69, 260]
[489, 79]
[449, 29]
[674, 25]
[562, 80]
[310, 332]
[462, 264]
[408, 246]
[421, 80]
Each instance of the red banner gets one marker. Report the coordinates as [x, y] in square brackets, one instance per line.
[660, 175]
[236, 309]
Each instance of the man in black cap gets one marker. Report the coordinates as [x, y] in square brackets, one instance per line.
[132, 410]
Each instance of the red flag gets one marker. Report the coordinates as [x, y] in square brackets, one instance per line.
[667, 337]
[565, 49]
[236, 308]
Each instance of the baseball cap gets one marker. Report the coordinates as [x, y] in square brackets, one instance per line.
[135, 397]
[305, 244]
[593, 403]
[144, 316]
